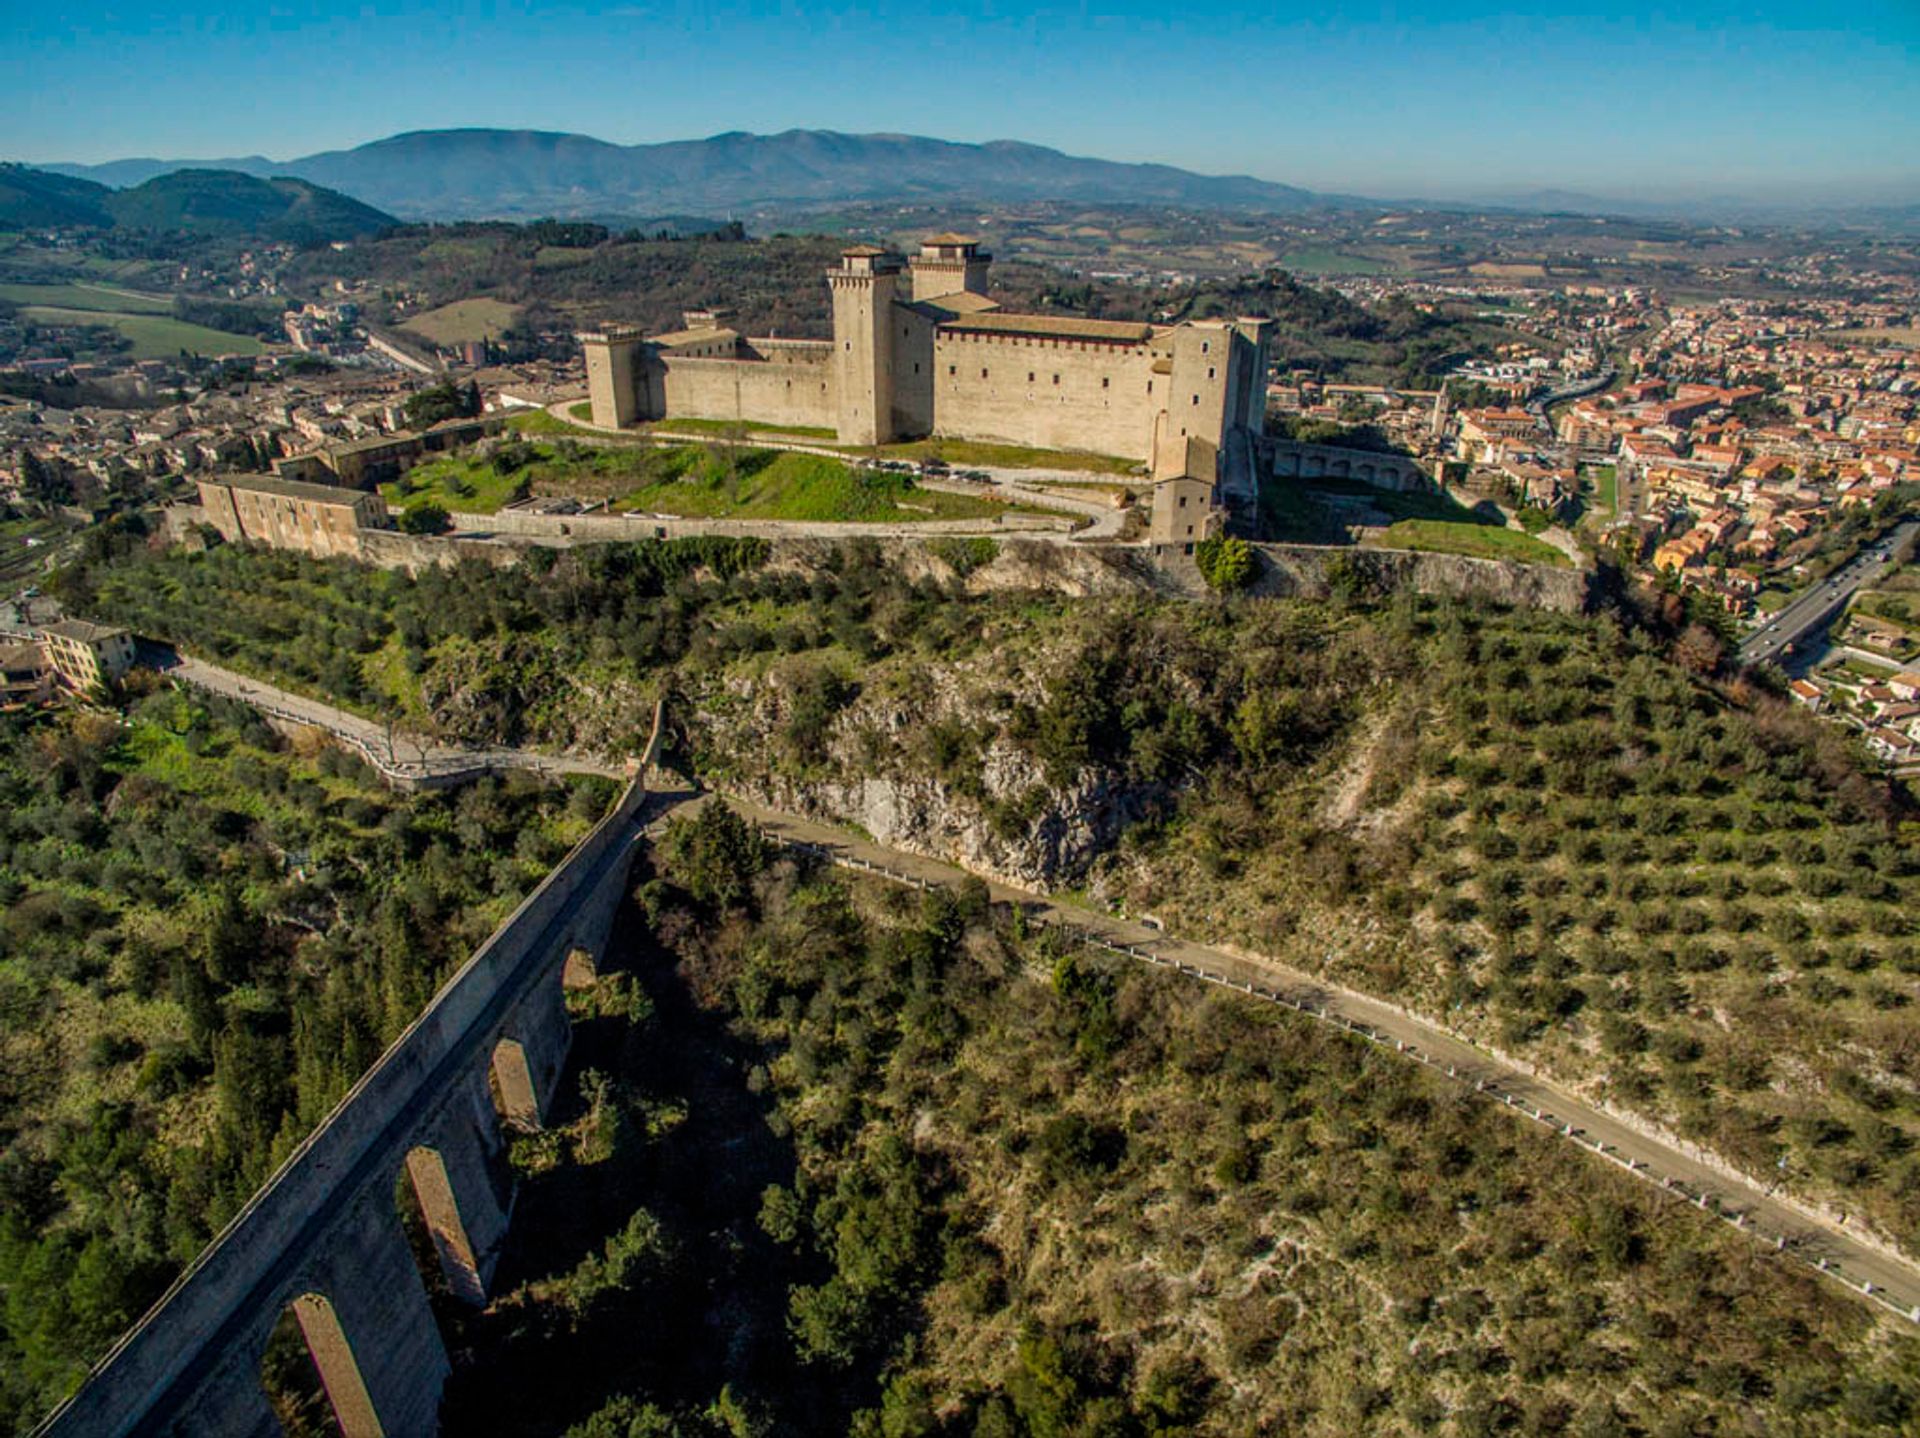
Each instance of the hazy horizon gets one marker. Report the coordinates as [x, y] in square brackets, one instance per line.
[1758, 102]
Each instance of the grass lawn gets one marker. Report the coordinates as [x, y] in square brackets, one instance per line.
[539, 421]
[1606, 489]
[1772, 601]
[769, 484]
[582, 410]
[967, 453]
[1479, 541]
[731, 426]
[152, 336]
[692, 482]
[474, 319]
[456, 481]
[98, 298]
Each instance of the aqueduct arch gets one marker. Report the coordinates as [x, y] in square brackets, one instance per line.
[339, 1370]
[440, 1207]
[323, 1238]
[513, 1089]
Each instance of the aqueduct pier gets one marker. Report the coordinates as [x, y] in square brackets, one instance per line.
[323, 1238]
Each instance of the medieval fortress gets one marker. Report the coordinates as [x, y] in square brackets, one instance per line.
[919, 350]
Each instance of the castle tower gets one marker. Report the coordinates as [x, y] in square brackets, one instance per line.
[949, 264]
[864, 285]
[611, 352]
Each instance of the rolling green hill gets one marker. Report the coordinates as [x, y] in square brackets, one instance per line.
[199, 202]
[35, 199]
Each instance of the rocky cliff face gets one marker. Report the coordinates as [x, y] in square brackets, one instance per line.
[991, 809]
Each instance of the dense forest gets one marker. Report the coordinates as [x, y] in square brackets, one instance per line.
[846, 1157]
[206, 934]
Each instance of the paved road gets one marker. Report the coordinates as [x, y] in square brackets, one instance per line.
[1827, 598]
[1539, 406]
[400, 754]
[1800, 1235]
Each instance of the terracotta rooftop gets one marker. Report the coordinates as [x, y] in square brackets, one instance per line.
[951, 239]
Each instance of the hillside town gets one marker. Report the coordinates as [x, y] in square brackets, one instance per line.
[1714, 445]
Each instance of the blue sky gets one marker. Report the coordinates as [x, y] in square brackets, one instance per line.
[1762, 98]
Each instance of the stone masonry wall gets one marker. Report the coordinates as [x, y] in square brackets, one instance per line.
[1102, 403]
[784, 392]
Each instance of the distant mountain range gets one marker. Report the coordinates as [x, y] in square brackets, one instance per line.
[522, 174]
[201, 202]
[526, 174]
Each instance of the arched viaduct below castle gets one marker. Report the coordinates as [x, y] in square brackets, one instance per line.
[324, 1239]
[1293, 459]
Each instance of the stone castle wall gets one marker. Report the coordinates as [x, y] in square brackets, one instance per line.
[791, 390]
[1105, 400]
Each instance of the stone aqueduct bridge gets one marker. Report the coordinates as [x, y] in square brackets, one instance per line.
[323, 1236]
[1291, 459]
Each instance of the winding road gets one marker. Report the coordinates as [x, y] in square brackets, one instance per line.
[1798, 1233]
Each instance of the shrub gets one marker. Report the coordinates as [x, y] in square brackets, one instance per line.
[425, 518]
[1227, 564]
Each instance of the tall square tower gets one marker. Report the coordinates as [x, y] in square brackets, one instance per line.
[948, 265]
[864, 286]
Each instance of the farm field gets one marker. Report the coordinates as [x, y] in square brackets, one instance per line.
[152, 336]
[1332, 262]
[107, 299]
[1907, 335]
[463, 320]
[25, 545]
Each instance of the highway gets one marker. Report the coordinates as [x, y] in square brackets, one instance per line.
[1819, 604]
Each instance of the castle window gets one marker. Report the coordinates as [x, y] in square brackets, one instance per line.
[1104, 381]
[1205, 346]
[953, 369]
[1209, 371]
[916, 366]
[1183, 501]
[1029, 376]
[1149, 386]
[1056, 379]
[1196, 399]
[983, 372]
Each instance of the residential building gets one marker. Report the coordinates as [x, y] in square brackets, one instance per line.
[86, 656]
